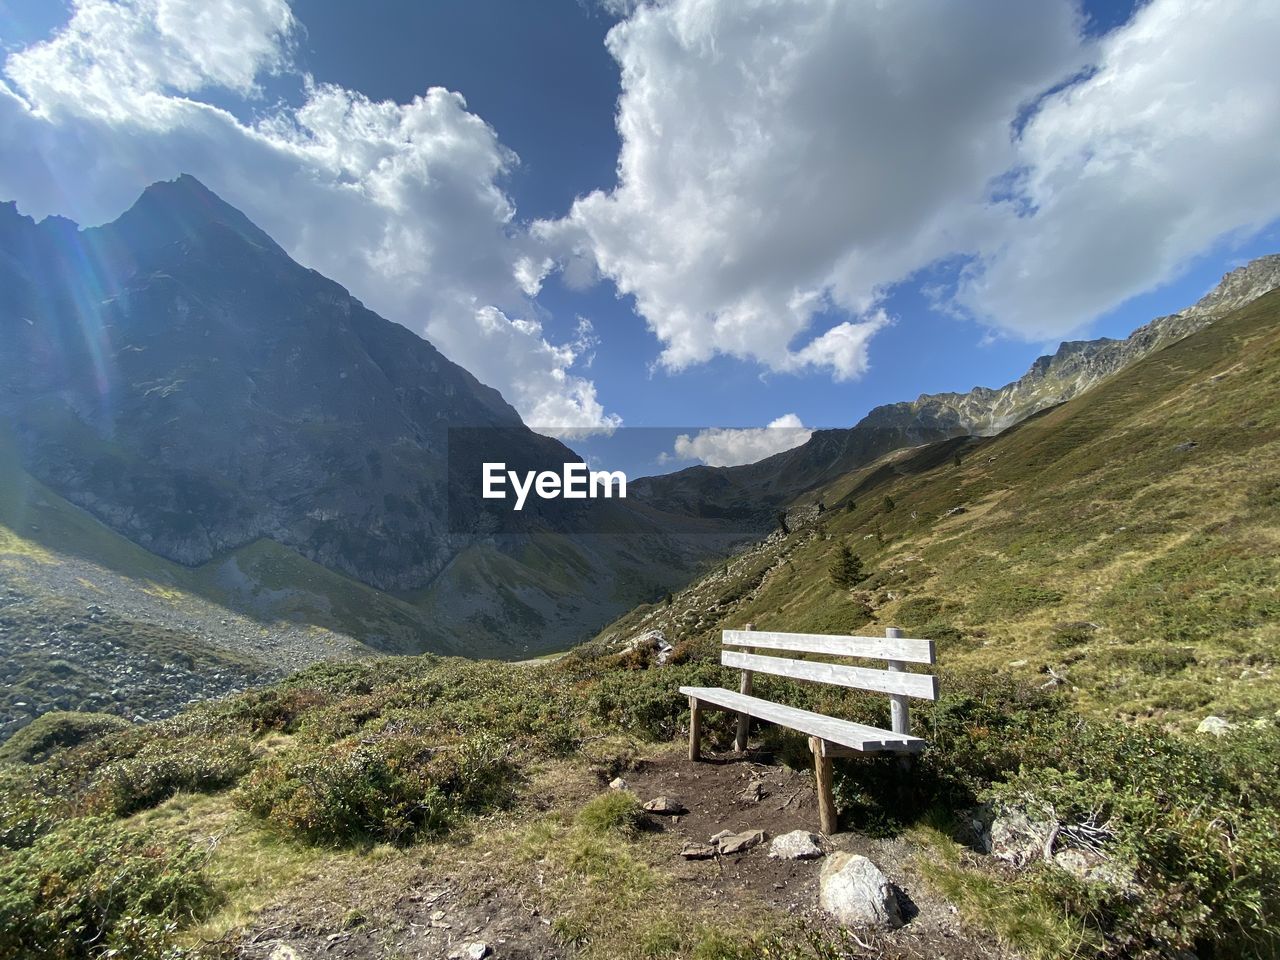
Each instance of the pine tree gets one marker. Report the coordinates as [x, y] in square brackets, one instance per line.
[847, 569]
[889, 504]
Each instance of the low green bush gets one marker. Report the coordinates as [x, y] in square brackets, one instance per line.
[57, 730]
[649, 702]
[94, 889]
[370, 788]
[163, 767]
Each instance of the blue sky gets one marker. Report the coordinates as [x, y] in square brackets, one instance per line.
[542, 79]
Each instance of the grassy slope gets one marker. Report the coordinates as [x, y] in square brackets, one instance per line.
[263, 581]
[1089, 542]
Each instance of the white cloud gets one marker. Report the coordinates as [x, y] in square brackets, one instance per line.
[727, 447]
[1170, 145]
[781, 159]
[402, 203]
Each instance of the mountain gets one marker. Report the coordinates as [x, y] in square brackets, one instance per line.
[759, 490]
[1098, 579]
[1121, 545]
[1077, 365]
[178, 377]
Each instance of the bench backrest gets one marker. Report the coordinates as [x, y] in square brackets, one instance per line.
[894, 648]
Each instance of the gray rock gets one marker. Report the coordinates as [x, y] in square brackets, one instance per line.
[692, 850]
[665, 806]
[1092, 868]
[1215, 726]
[796, 845]
[471, 951]
[853, 890]
[1017, 839]
[741, 842]
[754, 792]
[617, 783]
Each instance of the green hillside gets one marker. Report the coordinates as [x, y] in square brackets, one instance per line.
[1127, 542]
[1111, 560]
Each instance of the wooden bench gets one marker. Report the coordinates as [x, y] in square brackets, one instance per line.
[828, 736]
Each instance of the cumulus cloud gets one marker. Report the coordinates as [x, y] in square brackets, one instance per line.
[781, 160]
[727, 447]
[402, 203]
[1168, 146]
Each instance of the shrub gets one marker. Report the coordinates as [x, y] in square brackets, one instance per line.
[617, 812]
[91, 888]
[56, 730]
[1073, 634]
[1196, 825]
[378, 788]
[273, 708]
[163, 767]
[649, 702]
[26, 813]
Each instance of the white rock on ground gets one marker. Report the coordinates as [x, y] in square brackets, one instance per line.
[854, 891]
[796, 845]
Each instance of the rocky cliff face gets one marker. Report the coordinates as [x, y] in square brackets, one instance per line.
[179, 376]
[1076, 366]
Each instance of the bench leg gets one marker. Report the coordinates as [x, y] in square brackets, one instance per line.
[695, 729]
[822, 777]
[740, 739]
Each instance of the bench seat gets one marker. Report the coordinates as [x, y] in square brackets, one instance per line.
[846, 733]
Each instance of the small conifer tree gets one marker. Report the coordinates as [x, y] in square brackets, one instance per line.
[847, 569]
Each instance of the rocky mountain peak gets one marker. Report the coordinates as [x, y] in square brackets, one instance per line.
[1238, 287]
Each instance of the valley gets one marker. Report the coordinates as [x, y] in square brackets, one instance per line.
[297, 752]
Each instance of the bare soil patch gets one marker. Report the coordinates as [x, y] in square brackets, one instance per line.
[719, 794]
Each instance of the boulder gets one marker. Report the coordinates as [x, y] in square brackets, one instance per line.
[796, 845]
[665, 806]
[1017, 839]
[853, 890]
[692, 850]
[741, 842]
[1091, 867]
[617, 783]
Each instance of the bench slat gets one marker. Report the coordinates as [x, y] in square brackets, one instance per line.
[858, 736]
[880, 648]
[861, 678]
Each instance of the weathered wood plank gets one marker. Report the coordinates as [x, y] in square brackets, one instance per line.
[744, 719]
[822, 776]
[899, 708]
[695, 729]
[879, 648]
[859, 736]
[861, 678]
